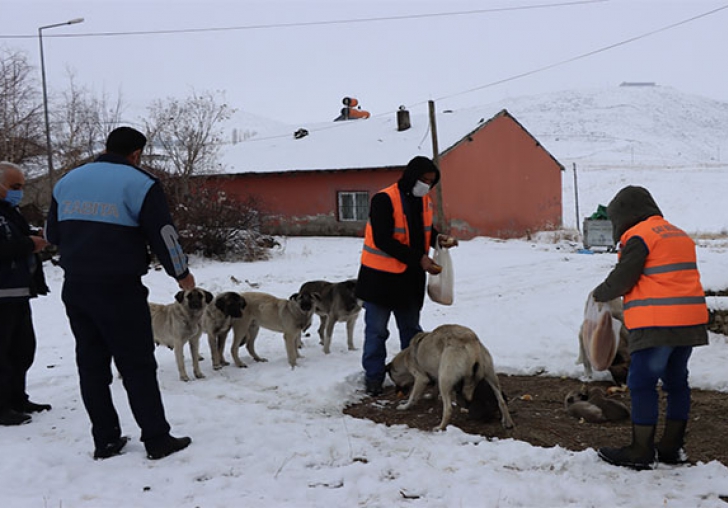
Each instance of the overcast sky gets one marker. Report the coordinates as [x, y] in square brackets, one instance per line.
[296, 65]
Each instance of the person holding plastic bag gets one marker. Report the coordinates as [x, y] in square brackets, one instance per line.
[394, 260]
[665, 313]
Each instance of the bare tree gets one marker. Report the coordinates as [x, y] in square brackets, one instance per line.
[81, 121]
[21, 120]
[188, 132]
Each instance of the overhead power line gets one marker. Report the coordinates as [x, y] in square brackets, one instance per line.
[534, 71]
[582, 56]
[309, 23]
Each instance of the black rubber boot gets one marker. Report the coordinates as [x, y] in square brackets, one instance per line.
[639, 455]
[670, 448]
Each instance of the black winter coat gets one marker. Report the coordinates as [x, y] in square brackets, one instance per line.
[407, 289]
[19, 266]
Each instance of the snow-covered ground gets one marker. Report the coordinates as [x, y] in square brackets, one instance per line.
[270, 436]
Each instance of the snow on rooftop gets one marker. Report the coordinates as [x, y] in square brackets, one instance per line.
[611, 126]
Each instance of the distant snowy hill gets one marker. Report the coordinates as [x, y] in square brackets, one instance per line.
[633, 125]
[611, 127]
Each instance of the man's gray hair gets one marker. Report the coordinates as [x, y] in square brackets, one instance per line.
[4, 166]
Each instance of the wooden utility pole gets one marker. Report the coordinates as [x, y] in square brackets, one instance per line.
[576, 199]
[441, 222]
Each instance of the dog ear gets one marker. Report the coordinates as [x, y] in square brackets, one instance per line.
[294, 296]
[179, 296]
[208, 296]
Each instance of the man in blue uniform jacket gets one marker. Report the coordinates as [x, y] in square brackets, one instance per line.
[103, 217]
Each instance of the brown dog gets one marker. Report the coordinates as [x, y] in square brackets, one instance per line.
[179, 323]
[594, 407]
[263, 310]
[452, 355]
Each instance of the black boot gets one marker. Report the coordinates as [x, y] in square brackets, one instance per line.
[373, 387]
[670, 448]
[12, 417]
[32, 407]
[110, 449]
[638, 455]
[167, 445]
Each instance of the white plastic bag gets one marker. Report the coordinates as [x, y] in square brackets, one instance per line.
[441, 287]
[599, 335]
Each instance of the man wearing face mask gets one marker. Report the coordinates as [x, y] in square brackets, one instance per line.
[21, 278]
[394, 260]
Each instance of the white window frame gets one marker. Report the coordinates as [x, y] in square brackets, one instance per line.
[359, 206]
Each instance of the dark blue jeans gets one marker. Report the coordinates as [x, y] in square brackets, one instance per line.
[670, 364]
[376, 332]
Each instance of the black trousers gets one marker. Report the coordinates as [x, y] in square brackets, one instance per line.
[17, 351]
[112, 320]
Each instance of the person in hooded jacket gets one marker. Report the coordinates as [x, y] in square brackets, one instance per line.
[21, 278]
[394, 261]
[666, 315]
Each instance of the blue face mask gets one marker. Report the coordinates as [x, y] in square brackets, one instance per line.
[14, 196]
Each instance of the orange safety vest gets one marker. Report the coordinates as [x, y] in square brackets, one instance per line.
[669, 292]
[372, 256]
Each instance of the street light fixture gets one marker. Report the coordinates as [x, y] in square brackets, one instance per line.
[49, 148]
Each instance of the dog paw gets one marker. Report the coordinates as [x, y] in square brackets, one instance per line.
[216, 367]
[184, 378]
[403, 406]
[199, 375]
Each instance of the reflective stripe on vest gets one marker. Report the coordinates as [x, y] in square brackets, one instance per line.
[14, 292]
[376, 258]
[669, 292]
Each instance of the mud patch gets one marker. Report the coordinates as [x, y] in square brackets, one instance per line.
[536, 404]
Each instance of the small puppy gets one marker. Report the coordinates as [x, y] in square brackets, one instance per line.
[454, 356]
[337, 303]
[266, 311]
[180, 322]
[217, 322]
[594, 407]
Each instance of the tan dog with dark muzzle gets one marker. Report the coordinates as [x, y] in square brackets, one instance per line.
[179, 323]
[453, 355]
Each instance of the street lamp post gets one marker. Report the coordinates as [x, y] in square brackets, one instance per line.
[49, 147]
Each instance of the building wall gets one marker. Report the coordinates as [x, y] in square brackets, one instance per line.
[306, 203]
[500, 183]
